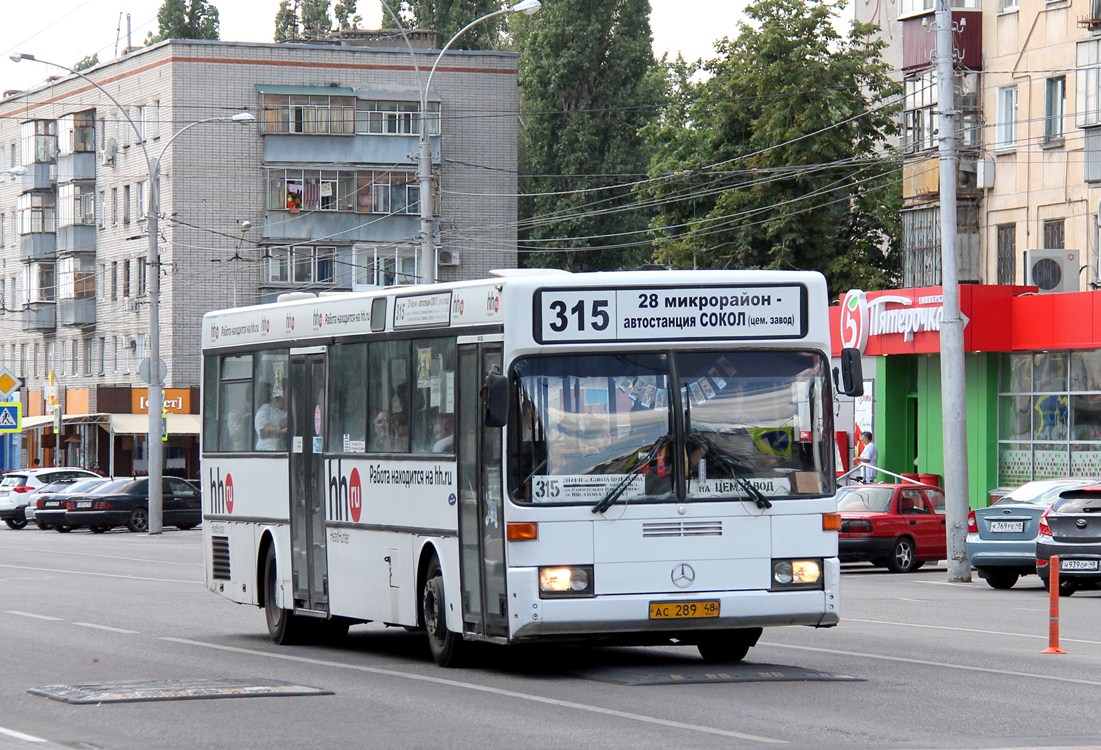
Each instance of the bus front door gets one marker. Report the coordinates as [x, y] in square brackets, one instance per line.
[481, 521]
[305, 422]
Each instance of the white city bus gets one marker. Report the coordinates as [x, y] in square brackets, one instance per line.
[635, 458]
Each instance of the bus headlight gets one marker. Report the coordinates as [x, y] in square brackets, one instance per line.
[565, 581]
[797, 574]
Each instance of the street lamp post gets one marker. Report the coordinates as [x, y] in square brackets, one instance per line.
[156, 373]
[427, 260]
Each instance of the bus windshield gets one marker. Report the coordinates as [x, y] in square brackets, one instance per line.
[590, 424]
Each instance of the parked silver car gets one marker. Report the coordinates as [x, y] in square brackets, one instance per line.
[16, 488]
[1001, 539]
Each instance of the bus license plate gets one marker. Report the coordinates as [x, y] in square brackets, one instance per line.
[1078, 565]
[684, 610]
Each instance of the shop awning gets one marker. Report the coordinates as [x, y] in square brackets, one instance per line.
[138, 424]
[33, 423]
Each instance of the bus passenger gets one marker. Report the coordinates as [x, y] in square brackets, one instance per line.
[271, 422]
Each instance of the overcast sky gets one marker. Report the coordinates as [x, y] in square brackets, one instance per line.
[66, 31]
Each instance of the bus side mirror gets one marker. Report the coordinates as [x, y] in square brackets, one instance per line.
[852, 374]
[495, 396]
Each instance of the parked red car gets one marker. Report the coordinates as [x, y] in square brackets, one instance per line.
[896, 526]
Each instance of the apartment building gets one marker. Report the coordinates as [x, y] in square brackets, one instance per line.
[1028, 98]
[315, 189]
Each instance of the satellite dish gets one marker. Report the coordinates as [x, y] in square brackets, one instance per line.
[110, 147]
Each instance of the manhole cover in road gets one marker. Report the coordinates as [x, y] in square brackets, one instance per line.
[693, 675]
[173, 690]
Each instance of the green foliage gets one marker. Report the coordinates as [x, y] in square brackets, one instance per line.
[87, 62]
[776, 160]
[447, 17]
[302, 20]
[587, 87]
[345, 14]
[185, 19]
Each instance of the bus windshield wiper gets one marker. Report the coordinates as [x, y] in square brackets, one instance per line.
[754, 493]
[621, 486]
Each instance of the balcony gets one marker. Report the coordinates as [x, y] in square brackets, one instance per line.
[38, 246]
[39, 316]
[77, 313]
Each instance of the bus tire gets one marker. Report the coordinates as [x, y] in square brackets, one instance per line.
[446, 647]
[728, 646]
[284, 627]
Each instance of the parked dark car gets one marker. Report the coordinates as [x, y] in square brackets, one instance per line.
[50, 501]
[1001, 539]
[128, 505]
[896, 526]
[1071, 529]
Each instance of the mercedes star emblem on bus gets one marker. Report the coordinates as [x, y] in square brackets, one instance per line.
[683, 576]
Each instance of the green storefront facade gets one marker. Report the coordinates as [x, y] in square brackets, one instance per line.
[1033, 382]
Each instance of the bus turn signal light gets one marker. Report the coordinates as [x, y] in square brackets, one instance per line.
[831, 522]
[522, 531]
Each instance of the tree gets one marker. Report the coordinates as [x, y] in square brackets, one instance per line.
[302, 20]
[778, 160]
[587, 88]
[87, 62]
[345, 14]
[446, 17]
[185, 19]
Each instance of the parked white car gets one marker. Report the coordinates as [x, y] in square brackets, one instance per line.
[16, 488]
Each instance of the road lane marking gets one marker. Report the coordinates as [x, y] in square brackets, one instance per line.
[20, 735]
[102, 575]
[32, 614]
[484, 689]
[105, 627]
[106, 557]
[927, 663]
[976, 631]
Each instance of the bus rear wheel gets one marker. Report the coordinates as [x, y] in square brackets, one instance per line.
[284, 627]
[728, 646]
[445, 645]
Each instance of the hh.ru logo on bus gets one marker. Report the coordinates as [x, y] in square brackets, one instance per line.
[221, 492]
[345, 494]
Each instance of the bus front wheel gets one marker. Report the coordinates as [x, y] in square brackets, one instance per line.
[445, 645]
[728, 646]
[284, 627]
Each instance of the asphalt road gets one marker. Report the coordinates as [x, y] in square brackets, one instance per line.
[916, 663]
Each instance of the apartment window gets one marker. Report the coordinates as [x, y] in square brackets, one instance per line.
[34, 360]
[307, 114]
[140, 121]
[75, 363]
[154, 129]
[49, 363]
[1007, 6]
[37, 213]
[23, 360]
[394, 117]
[114, 207]
[88, 350]
[1088, 78]
[2, 217]
[124, 123]
[76, 278]
[40, 141]
[101, 206]
[143, 270]
[383, 265]
[140, 197]
[76, 204]
[302, 264]
[126, 278]
[919, 112]
[1054, 234]
[125, 204]
[1005, 130]
[1054, 109]
[114, 280]
[76, 133]
[1007, 253]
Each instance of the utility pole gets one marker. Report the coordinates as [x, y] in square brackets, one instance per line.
[952, 370]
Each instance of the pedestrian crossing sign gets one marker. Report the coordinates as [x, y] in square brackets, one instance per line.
[11, 416]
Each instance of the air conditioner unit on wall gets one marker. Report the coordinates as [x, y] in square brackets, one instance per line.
[1052, 270]
[449, 258]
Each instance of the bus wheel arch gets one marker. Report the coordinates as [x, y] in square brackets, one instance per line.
[284, 627]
